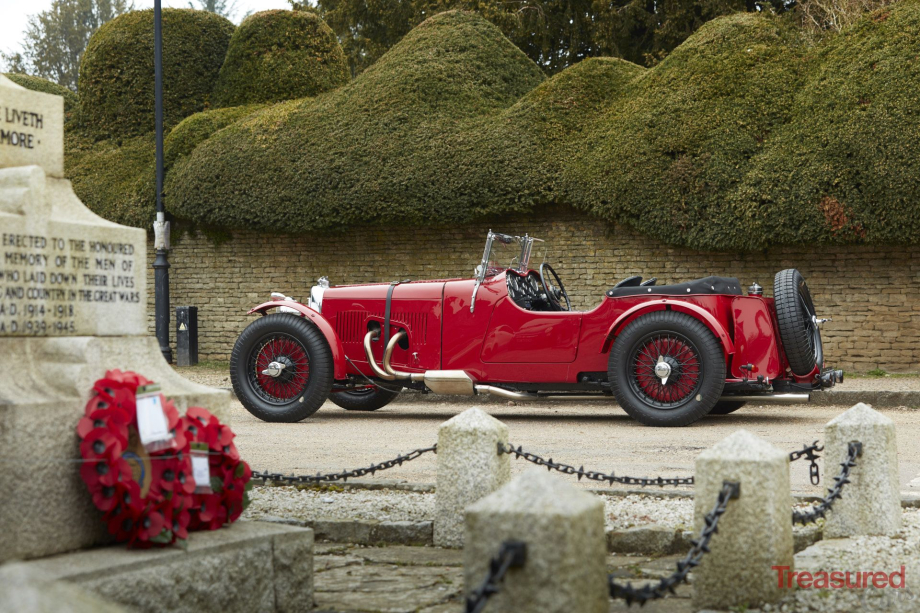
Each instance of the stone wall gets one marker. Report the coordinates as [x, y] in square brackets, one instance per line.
[871, 292]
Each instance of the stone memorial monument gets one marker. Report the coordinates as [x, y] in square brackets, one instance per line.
[73, 299]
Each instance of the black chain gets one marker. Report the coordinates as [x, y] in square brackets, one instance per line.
[691, 560]
[345, 475]
[591, 474]
[854, 450]
[512, 554]
[809, 452]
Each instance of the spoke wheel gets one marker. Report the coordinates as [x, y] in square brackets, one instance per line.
[293, 378]
[683, 369]
[666, 369]
[298, 362]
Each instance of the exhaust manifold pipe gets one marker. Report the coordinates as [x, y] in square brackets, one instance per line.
[388, 373]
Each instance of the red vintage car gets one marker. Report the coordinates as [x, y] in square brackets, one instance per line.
[668, 354]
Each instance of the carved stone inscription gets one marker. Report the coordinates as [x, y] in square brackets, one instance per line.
[49, 284]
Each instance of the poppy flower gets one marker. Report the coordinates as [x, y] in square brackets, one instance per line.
[211, 514]
[123, 522]
[113, 420]
[150, 525]
[101, 444]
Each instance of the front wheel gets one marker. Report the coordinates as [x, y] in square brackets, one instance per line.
[281, 368]
[366, 399]
[666, 369]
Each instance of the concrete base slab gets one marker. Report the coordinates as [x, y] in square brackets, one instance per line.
[245, 568]
[42, 398]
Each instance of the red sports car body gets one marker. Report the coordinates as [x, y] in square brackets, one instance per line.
[669, 354]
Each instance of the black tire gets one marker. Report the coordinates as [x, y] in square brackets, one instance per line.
[278, 399]
[367, 399]
[724, 407]
[795, 314]
[695, 356]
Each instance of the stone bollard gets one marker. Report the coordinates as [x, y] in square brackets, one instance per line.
[871, 503]
[469, 467]
[563, 529]
[754, 534]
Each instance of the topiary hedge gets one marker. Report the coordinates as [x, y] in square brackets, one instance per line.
[402, 142]
[846, 167]
[38, 84]
[116, 72]
[280, 55]
[746, 136]
[666, 158]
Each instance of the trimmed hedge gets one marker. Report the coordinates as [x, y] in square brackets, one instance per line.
[846, 168]
[280, 55]
[666, 158]
[71, 102]
[114, 178]
[746, 136]
[404, 142]
[116, 72]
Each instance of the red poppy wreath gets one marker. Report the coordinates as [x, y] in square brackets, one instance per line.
[148, 493]
[145, 495]
[226, 495]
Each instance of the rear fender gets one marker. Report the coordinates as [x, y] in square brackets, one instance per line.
[335, 344]
[681, 307]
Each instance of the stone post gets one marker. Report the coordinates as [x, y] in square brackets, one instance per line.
[563, 528]
[469, 467]
[871, 502]
[755, 533]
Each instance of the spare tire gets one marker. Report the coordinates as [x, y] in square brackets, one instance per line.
[798, 328]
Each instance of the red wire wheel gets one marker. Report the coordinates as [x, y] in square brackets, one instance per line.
[230, 476]
[666, 369]
[145, 497]
[284, 349]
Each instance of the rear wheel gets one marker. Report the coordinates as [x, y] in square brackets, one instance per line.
[666, 369]
[798, 326]
[281, 368]
[724, 407]
[365, 399]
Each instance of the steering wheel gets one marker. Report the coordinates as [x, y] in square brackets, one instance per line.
[552, 293]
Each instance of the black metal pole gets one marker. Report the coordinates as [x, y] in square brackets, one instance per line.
[161, 227]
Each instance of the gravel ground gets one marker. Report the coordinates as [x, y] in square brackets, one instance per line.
[392, 505]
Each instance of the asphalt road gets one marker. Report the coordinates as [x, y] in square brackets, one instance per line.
[595, 434]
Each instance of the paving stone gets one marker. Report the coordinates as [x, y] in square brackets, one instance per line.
[415, 556]
[387, 588]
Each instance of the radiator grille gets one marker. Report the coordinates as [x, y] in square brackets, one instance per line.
[416, 323]
[351, 326]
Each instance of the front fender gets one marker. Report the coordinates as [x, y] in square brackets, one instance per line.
[675, 305]
[335, 344]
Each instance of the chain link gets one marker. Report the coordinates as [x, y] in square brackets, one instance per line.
[693, 558]
[809, 452]
[511, 554]
[345, 475]
[854, 450]
[592, 475]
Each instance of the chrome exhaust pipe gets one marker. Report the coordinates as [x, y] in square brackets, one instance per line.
[388, 355]
[503, 393]
[370, 358]
[780, 398]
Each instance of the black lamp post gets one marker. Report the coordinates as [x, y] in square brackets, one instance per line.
[160, 226]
